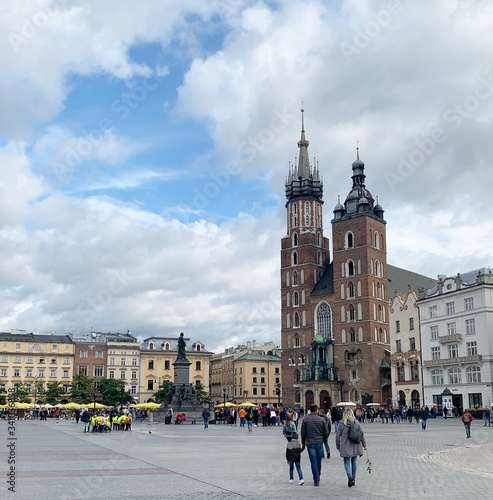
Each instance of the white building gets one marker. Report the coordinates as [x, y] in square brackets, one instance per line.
[457, 339]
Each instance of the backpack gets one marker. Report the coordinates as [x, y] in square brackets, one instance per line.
[465, 418]
[355, 434]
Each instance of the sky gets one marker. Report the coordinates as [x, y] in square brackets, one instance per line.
[144, 148]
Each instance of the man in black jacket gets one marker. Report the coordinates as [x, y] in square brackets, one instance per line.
[314, 433]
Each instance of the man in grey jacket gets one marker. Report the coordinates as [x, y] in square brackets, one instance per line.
[314, 433]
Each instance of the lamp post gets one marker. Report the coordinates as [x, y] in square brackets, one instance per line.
[224, 397]
[278, 392]
[94, 396]
[121, 395]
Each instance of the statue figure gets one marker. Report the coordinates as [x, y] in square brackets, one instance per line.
[182, 354]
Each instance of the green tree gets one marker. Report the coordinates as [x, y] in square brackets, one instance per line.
[22, 393]
[163, 394]
[54, 393]
[113, 392]
[201, 394]
[82, 389]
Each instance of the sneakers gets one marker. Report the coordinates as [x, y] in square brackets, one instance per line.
[291, 481]
[350, 481]
[302, 482]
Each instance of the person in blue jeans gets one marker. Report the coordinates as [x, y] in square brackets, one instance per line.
[349, 450]
[314, 433]
[293, 457]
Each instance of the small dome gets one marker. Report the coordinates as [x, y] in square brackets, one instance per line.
[363, 201]
[339, 208]
[358, 164]
[378, 208]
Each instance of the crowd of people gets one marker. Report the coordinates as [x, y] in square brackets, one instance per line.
[105, 421]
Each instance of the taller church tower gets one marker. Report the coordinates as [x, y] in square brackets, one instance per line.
[361, 325]
[304, 257]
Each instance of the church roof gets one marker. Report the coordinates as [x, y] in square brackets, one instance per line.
[399, 279]
[326, 283]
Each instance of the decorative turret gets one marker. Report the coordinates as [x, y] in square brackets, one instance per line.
[303, 181]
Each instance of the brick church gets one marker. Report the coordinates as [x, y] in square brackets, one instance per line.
[335, 310]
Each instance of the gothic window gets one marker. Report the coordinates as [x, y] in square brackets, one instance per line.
[287, 279]
[350, 292]
[288, 321]
[307, 214]
[289, 340]
[302, 359]
[379, 315]
[380, 336]
[342, 290]
[352, 316]
[296, 320]
[343, 335]
[295, 278]
[377, 268]
[360, 312]
[324, 320]
[295, 239]
[347, 357]
[349, 240]
[343, 313]
[303, 297]
[302, 276]
[360, 334]
[303, 318]
[291, 360]
[319, 239]
[350, 268]
[352, 335]
[296, 299]
[376, 240]
[359, 288]
[287, 300]
[379, 291]
[303, 340]
[297, 376]
[319, 258]
[296, 340]
[294, 259]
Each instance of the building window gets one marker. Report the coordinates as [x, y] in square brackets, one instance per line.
[454, 376]
[470, 326]
[324, 320]
[255, 391]
[122, 375]
[350, 290]
[262, 369]
[198, 365]
[434, 332]
[151, 346]
[469, 304]
[17, 359]
[98, 371]
[450, 307]
[349, 240]
[112, 373]
[134, 375]
[433, 311]
[398, 346]
[352, 315]
[262, 391]
[83, 354]
[150, 364]
[437, 377]
[17, 372]
[262, 380]
[3, 372]
[83, 370]
[397, 326]
[5, 359]
[453, 350]
[112, 361]
[411, 323]
[295, 239]
[296, 299]
[17, 346]
[133, 389]
[475, 400]
[296, 320]
[451, 330]
[122, 361]
[52, 373]
[99, 354]
[435, 353]
[295, 278]
[66, 360]
[350, 268]
[412, 344]
[29, 359]
[302, 359]
[150, 385]
[352, 335]
[134, 361]
[294, 259]
[472, 348]
[54, 347]
[254, 381]
[400, 374]
[29, 373]
[415, 372]
[473, 374]
[354, 374]
[167, 364]
[65, 374]
[276, 371]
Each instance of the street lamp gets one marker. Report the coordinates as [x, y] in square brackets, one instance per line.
[94, 396]
[121, 395]
[278, 392]
[224, 397]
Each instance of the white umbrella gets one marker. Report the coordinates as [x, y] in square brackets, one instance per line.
[373, 404]
[346, 403]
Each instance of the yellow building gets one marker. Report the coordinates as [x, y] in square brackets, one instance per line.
[33, 360]
[257, 375]
[157, 356]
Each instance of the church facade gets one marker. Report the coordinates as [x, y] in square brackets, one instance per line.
[335, 309]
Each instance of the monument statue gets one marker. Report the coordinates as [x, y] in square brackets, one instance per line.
[182, 354]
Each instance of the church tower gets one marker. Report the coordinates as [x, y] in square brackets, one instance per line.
[304, 258]
[361, 315]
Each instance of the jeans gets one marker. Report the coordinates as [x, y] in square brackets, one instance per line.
[298, 468]
[249, 424]
[351, 465]
[336, 425]
[86, 426]
[468, 430]
[206, 423]
[315, 454]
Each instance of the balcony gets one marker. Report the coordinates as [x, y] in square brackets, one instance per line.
[478, 358]
[444, 339]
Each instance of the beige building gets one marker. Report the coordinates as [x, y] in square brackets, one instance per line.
[407, 385]
[34, 360]
[215, 378]
[257, 374]
[157, 355]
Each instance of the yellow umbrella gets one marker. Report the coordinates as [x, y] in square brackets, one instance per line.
[22, 406]
[71, 406]
[247, 404]
[98, 406]
[148, 406]
[226, 405]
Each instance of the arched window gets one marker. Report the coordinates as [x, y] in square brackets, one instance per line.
[352, 316]
[302, 276]
[380, 336]
[296, 320]
[376, 239]
[291, 360]
[294, 259]
[350, 268]
[377, 268]
[350, 291]
[343, 336]
[319, 258]
[379, 313]
[166, 346]
[302, 359]
[296, 299]
[151, 346]
[349, 240]
[288, 321]
[297, 376]
[352, 335]
[197, 347]
[303, 340]
[296, 340]
[289, 340]
[307, 213]
[319, 239]
[360, 334]
[295, 239]
[295, 278]
[324, 320]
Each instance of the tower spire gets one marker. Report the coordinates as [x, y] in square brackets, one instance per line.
[304, 170]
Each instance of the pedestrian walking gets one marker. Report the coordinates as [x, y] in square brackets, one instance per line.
[206, 414]
[293, 457]
[86, 418]
[350, 441]
[423, 415]
[314, 433]
[487, 417]
[289, 427]
[249, 419]
[467, 419]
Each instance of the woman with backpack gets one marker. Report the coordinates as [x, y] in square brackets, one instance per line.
[289, 427]
[350, 441]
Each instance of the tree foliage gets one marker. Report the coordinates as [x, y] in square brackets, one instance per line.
[82, 389]
[54, 393]
[112, 392]
[164, 392]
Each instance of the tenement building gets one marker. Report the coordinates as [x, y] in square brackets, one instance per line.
[457, 340]
[335, 333]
